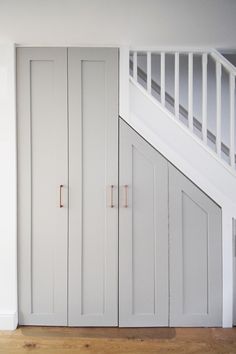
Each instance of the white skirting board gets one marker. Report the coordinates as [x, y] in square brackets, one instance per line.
[8, 321]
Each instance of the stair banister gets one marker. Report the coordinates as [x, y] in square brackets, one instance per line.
[190, 91]
[149, 72]
[187, 112]
[163, 78]
[218, 108]
[177, 85]
[204, 98]
[232, 119]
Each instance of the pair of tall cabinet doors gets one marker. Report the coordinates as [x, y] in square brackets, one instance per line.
[110, 233]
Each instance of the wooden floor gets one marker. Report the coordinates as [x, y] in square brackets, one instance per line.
[55, 340]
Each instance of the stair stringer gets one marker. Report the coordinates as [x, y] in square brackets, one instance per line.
[176, 143]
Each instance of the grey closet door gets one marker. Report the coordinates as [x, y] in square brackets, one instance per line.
[195, 255]
[234, 271]
[42, 168]
[143, 233]
[93, 166]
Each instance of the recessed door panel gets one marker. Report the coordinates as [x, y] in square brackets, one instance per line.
[93, 166]
[195, 255]
[42, 168]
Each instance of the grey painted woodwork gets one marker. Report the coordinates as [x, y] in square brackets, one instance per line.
[195, 255]
[42, 167]
[170, 266]
[143, 233]
[74, 249]
[192, 296]
[234, 271]
[93, 166]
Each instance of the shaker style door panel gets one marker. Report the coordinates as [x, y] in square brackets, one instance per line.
[42, 168]
[93, 179]
[234, 271]
[195, 255]
[143, 233]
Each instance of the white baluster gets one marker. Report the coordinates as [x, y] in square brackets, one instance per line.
[163, 78]
[204, 98]
[190, 91]
[177, 85]
[232, 118]
[218, 108]
[149, 72]
[135, 67]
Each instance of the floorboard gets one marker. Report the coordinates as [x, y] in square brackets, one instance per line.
[64, 340]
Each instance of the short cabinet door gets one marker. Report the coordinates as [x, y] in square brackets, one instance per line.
[143, 233]
[195, 255]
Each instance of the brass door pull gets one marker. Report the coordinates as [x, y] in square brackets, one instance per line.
[61, 186]
[126, 196]
[112, 190]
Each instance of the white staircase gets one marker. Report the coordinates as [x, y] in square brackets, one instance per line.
[185, 83]
[183, 103]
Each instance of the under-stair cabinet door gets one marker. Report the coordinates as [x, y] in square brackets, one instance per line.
[195, 255]
[93, 180]
[143, 233]
[42, 185]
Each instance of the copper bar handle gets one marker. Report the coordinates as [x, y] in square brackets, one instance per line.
[112, 190]
[126, 196]
[61, 186]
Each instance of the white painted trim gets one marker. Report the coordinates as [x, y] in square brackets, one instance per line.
[135, 66]
[232, 119]
[186, 129]
[149, 72]
[218, 108]
[177, 85]
[8, 321]
[172, 49]
[124, 81]
[204, 97]
[68, 45]
[224, 62]
[163, 79]
[190, 91]
[8, 254]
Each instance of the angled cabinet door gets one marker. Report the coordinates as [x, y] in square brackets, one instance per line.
[42, 168]
[93, 179]
[195, 255]
[143, 233]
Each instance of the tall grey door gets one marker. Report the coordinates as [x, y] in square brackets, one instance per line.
[42, 168]
[143, 233]
[234, 271]
[93, 180]
[195, 255]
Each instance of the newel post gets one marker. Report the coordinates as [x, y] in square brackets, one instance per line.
[124, 82]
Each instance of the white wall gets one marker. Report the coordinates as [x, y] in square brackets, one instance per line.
[231, 57]
[8, 274]
[208, 23]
